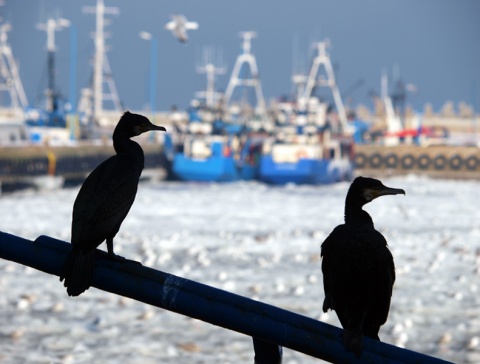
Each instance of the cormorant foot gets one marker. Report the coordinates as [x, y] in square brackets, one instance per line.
[119, 258]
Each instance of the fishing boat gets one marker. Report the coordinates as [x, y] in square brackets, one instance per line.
[311, 157]
[311, 143]
[308, 154]
[220, 155]
[218, 143]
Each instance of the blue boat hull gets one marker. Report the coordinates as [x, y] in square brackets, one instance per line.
[212, 169]
[304, 171]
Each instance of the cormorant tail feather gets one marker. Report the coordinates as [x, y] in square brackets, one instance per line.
[78, 271]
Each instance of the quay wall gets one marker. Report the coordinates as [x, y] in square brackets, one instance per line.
[437, 161]
[23, 163]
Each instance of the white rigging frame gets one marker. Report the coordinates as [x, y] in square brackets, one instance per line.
[9, 76]
[246, 58]
[313, 79]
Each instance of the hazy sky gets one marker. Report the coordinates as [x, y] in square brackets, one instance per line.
[435, 45]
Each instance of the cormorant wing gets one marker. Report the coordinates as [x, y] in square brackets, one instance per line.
[330, 259]
[348, 256]
[385, 280]
[103, 202]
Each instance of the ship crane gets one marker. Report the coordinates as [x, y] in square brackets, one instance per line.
[246, 58]
[9, 76]
[327, 80]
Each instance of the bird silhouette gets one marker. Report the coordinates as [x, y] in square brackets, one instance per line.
[358, 268]
[104, 201]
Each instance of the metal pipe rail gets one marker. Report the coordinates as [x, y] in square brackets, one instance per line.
[209, 304]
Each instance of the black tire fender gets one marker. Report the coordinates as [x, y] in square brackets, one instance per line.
[455, 162]
[472, 163]
[360, 160]
[440, 162]
[408, 161]
[375, 160]
[424, 161]
[391, 160]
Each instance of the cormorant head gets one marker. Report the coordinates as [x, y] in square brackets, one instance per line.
[364, 189]
[136, 124]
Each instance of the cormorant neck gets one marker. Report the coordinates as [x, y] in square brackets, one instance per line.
[124, 145]
[354, 214]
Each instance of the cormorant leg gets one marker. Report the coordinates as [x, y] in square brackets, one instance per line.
[110, 247]
[111, 254]
[353, 339]
[114, 256]
[266, 352]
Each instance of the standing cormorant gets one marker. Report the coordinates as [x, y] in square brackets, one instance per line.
[358, 269]
[104, 201]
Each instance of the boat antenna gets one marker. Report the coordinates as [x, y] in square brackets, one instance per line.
[298, 73]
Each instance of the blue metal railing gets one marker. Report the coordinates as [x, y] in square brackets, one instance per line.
[209, 304]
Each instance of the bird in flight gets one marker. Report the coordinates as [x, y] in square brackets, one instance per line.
[179, 26]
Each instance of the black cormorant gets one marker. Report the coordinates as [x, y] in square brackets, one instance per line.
[104, 201]
[358, 269]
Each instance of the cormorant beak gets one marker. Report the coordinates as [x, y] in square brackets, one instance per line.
[140, 129]
[372, 193]
[156, 127]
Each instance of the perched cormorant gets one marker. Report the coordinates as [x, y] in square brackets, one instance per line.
[358, 269]
[104, 201]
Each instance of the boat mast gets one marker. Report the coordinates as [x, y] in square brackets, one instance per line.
[9, 76]
[299, 80]
[323, 59]
[210, 95]
[101, 68]
[394, 123]
[298, 75]
[246, 57]
[50, 27]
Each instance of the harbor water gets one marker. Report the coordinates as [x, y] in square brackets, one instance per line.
[255, 240]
